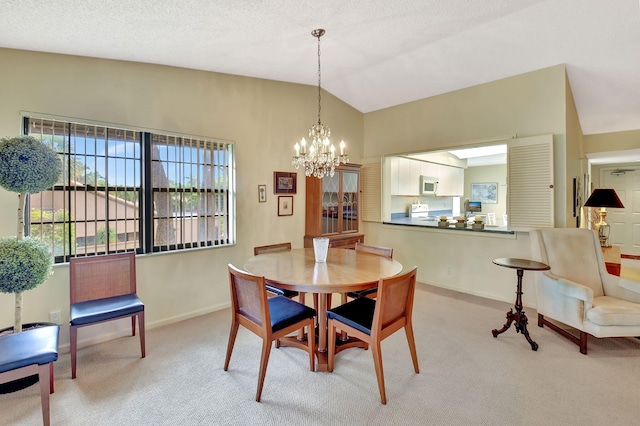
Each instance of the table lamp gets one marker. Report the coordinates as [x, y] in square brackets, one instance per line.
[603, 198]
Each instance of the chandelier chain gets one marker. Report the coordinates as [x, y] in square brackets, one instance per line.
[321, 158]
[319, 78]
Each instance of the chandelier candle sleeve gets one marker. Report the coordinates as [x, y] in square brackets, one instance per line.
[321, 160]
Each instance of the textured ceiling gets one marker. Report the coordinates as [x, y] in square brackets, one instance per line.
[375, 54]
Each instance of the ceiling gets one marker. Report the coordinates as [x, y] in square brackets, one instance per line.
[375, 54]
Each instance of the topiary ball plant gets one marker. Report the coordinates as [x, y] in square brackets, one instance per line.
[24, 264]
[27, 166]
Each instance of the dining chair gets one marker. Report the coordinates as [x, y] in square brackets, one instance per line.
[373, 320]
[270, 318]
[491, 218]
[31, 352]
[505, 220]
[378, 251]
[272, 287]
[103, 288]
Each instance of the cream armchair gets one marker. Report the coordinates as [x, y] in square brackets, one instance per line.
[578, 291]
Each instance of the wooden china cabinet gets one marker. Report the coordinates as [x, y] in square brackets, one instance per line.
[333, 207]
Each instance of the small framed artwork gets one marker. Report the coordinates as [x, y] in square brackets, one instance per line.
[284, 182]
[285, 205]
[262, 193]
[485, 192]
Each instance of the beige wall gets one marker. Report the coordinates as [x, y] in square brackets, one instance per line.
[617, 141]
[496, 173]
[525, 105]
[264, 118]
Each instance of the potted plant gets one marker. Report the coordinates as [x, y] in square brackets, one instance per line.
[27, 166]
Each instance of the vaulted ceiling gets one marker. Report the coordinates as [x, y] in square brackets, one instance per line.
[375, 54]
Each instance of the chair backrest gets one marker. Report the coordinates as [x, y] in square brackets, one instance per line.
[491, 218]
[572, 253]
[249, 298]
[505, 221]
[97, 277]
[394, 304]
[377, 250]
[271, 248]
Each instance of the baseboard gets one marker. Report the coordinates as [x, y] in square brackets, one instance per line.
[473, 293]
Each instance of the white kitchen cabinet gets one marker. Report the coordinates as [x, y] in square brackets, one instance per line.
[393, 170]
[450, 181]
[408, 177]
[405, 177]
[428, 169]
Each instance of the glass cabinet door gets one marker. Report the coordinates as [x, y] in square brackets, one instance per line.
[349, 201]
[330, 204]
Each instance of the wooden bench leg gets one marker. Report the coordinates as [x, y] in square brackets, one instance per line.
[46, 386]
[73, 337]
[141, 331]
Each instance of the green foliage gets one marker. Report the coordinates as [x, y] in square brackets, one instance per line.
[24, 264]
[27, 166]
[52, 229]
[101, 236]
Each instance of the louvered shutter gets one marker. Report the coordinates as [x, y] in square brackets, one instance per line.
[371, 176]
[530, 183]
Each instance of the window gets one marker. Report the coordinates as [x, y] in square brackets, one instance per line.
[127, 190]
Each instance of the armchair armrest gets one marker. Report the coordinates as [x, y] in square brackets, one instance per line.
[569, 288]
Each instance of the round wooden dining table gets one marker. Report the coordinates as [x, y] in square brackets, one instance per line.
[344, 271]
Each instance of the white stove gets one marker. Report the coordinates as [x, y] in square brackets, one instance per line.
[419, 210]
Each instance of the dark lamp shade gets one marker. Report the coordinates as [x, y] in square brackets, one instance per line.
[604, 197]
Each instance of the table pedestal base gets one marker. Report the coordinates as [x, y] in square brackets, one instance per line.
[521, 321]
[323, 357]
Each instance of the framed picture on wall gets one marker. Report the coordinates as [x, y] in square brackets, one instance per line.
[485, 192]
[262, 193]
[285, 205]
[284, 182]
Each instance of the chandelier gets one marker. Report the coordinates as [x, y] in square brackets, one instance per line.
[320, 158]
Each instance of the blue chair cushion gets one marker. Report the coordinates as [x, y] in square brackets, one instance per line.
[362, 293]
[285, 312]
[281, 291]
[105, 309]
[34, 346]
[358, 314]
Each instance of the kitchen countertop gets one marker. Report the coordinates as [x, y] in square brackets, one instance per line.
[430, 223]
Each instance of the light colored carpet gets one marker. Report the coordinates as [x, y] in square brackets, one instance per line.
[467, 377]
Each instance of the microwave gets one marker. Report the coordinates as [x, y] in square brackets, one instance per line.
[428, 185]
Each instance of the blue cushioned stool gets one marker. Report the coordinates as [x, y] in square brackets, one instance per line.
[31, 352]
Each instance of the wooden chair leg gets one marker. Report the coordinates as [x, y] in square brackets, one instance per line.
[44, 375]
[133, 325]
[343, 334]
[583, 342]
[332, 345]
[51, 377]
[232, 340]
[311, 339]
[264, 361]
[301, 299]
[377, 362]
[73, 340]
[141, 327]
[408, 329]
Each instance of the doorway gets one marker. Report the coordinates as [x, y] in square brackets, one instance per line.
[624, 223]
